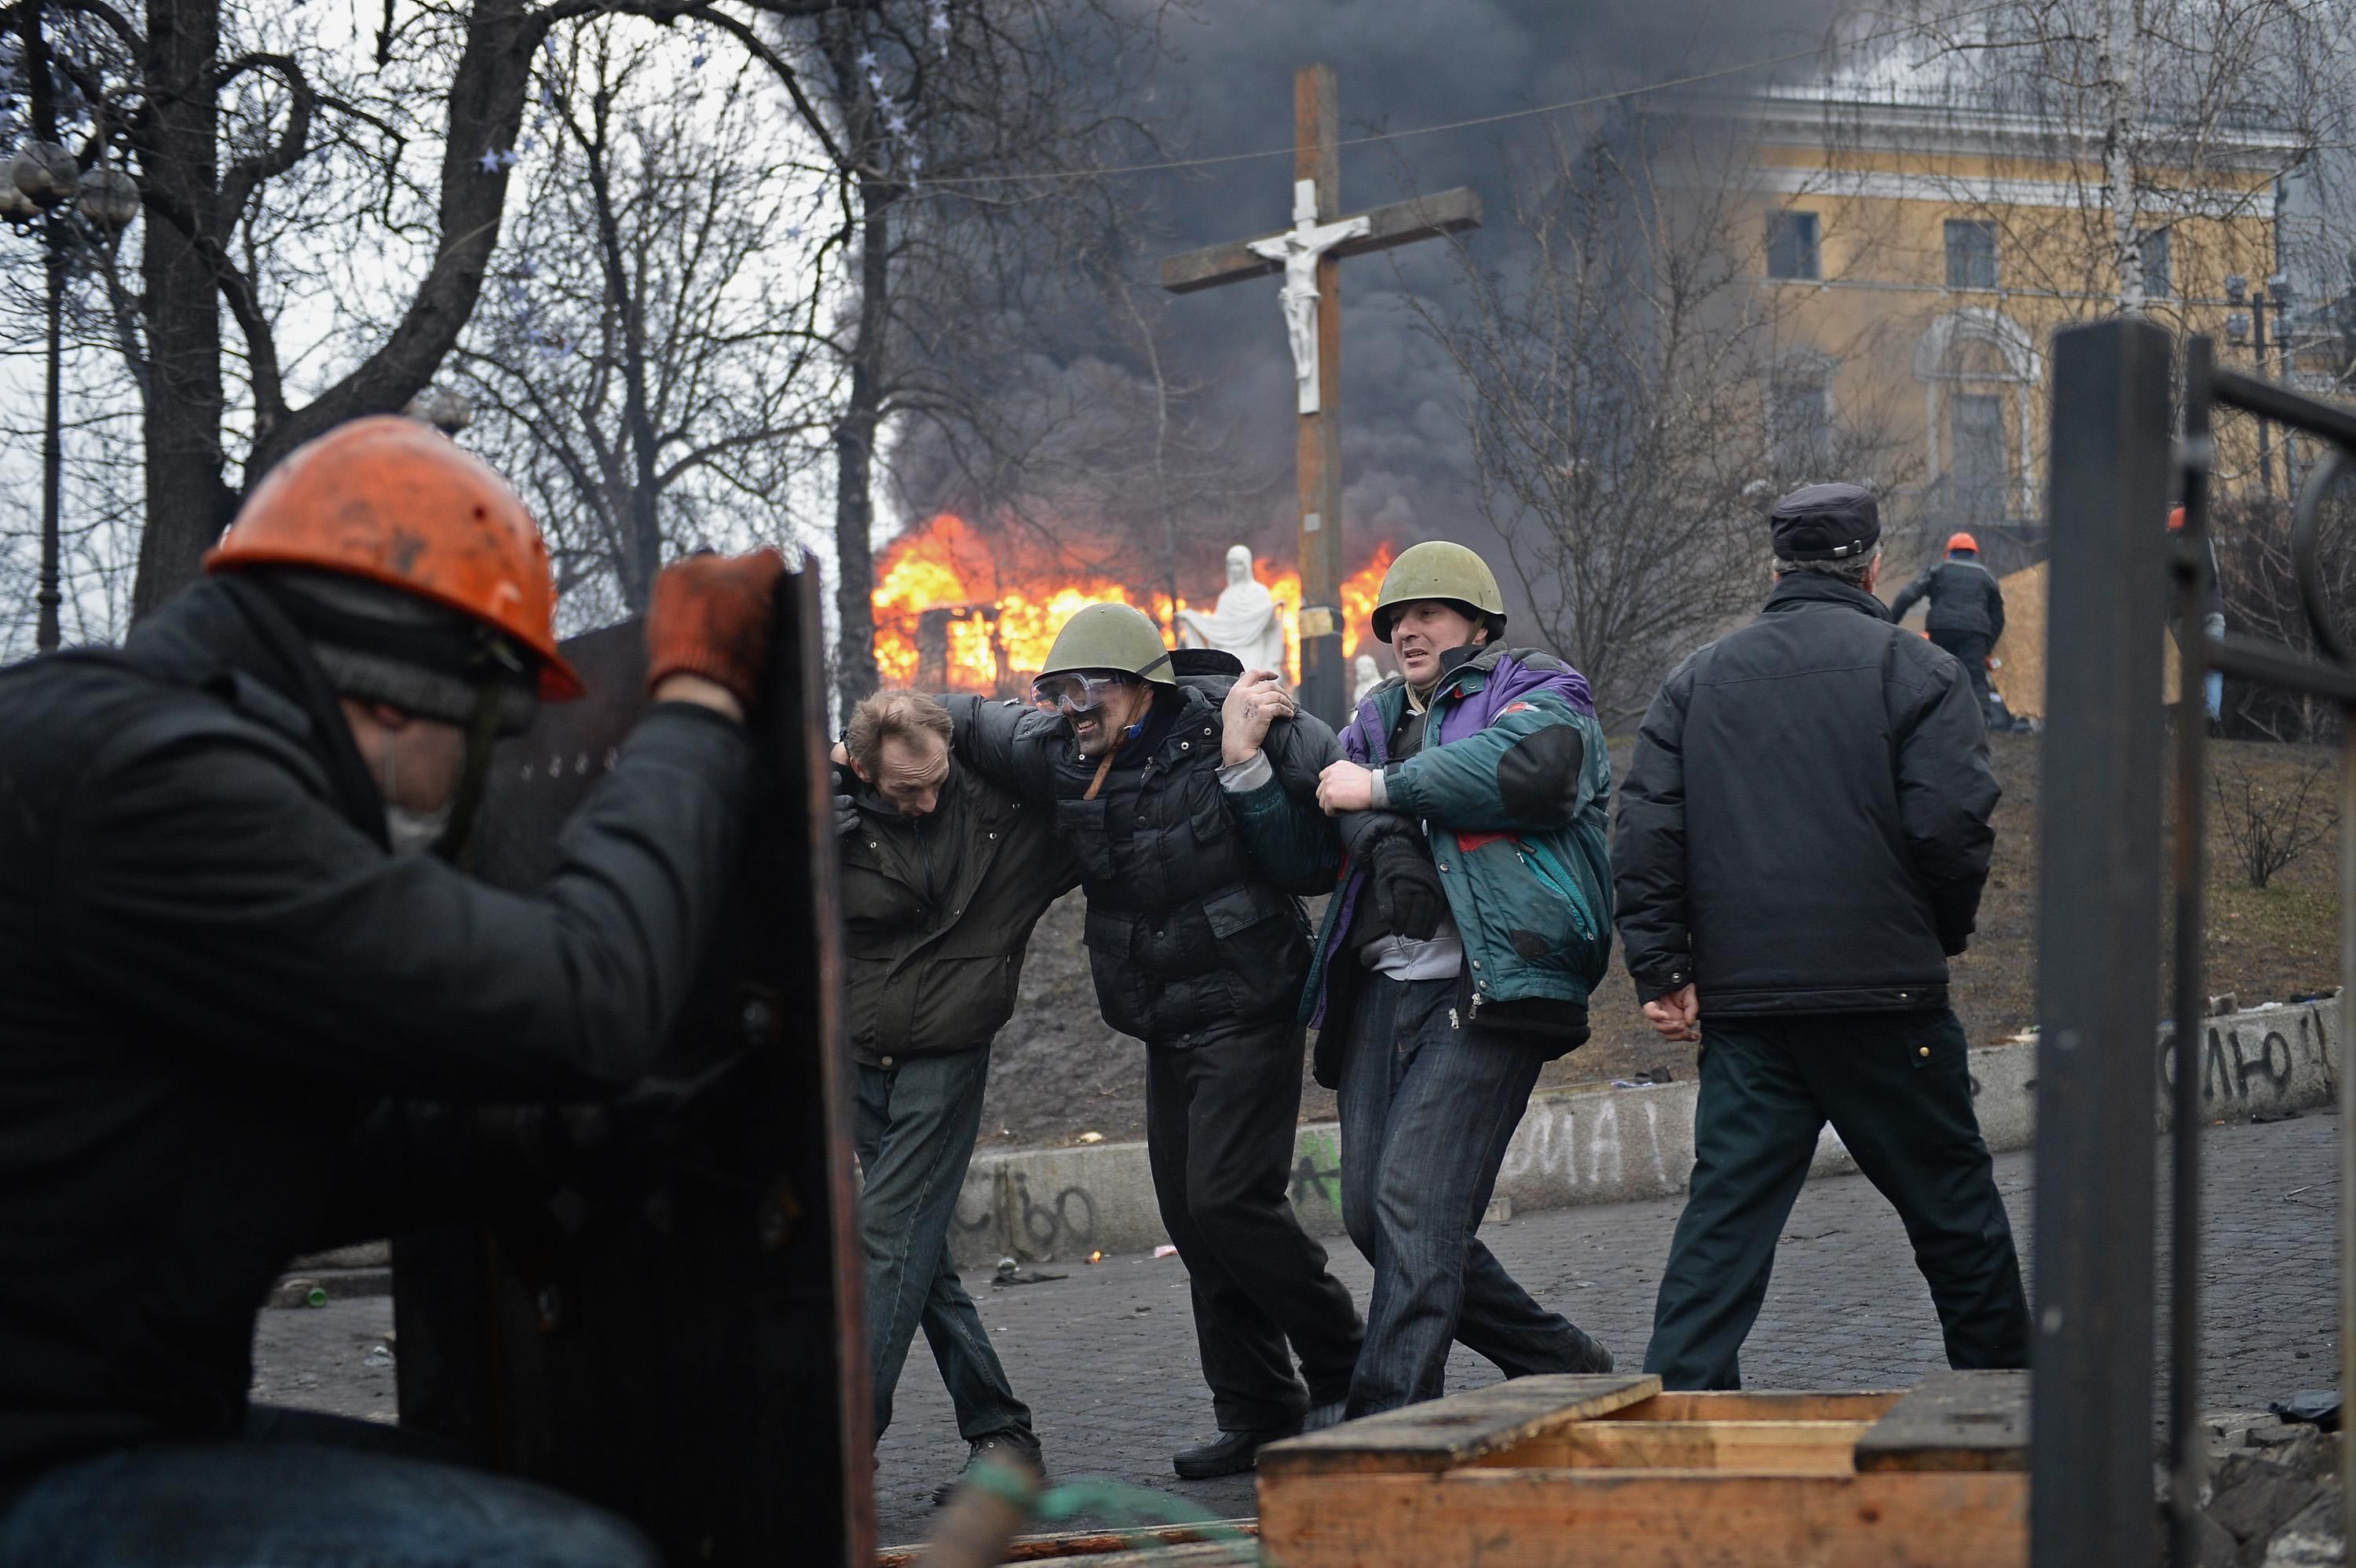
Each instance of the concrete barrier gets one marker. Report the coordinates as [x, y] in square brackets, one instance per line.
[1598, 1145]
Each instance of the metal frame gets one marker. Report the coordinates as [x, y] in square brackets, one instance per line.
[2099, 946]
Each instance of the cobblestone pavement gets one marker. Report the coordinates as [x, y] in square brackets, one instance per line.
[1106, 1356]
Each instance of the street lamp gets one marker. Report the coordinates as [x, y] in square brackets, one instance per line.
[42, 177]
[2250, 327]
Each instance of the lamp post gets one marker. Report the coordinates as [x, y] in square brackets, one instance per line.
[2249, 329]
[46, 185]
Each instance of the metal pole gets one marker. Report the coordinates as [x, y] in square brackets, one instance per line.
[2258, 349]
[2099, 898]
[2186, 1452]
[45, 635]
[2347, 1112]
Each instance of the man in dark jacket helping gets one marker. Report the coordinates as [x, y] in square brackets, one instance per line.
[1198, 952]
[944, 876]
[1965, 617]
[1473, 916]
[221, 943]
[1803, 839]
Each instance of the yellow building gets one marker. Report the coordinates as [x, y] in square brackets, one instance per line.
[1919, 239]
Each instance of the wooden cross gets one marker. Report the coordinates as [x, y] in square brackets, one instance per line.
[1309, 254]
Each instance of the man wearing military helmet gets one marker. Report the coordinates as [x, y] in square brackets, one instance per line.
[1196, 950]
[222, 942]
[1473, 917]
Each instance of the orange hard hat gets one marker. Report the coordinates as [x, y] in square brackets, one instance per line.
[1962, 541]
[2175, 518]
[394, 501]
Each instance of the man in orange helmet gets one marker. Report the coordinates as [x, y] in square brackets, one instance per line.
[1966, 616]
[220, 948]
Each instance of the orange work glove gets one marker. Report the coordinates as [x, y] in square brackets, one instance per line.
[711, 617]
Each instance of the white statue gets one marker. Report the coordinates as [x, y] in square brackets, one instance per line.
[1365, 675]
[1247, 622]
[1299, 247]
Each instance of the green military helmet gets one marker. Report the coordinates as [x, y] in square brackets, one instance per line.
[1438, 569]
[1112, 636]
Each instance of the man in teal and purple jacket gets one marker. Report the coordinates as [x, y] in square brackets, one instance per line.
[1471, 917]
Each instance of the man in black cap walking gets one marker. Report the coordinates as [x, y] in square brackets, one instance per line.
[1803, 839]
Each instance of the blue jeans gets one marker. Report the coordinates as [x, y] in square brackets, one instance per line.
[1427, 1107]
[917, 1124]
[316, 1492]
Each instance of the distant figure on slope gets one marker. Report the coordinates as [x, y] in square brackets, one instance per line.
[1966, 615]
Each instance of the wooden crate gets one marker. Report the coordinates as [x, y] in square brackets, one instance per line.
[1611, 1472]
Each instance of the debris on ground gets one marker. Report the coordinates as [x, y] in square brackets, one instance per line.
[2273, 1496]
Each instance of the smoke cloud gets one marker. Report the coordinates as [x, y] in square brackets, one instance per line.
[1400, 65]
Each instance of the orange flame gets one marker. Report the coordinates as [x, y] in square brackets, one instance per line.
[997, 622]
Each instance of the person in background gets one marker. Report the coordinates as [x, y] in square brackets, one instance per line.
[1803, 839]
[1965, 617]
[2213, 621]
[1472, 920]
[944, 876]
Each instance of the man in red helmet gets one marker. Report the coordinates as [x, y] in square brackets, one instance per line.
[1965, 617]
[220, 948]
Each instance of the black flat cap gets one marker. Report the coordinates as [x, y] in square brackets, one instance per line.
[1827, 522]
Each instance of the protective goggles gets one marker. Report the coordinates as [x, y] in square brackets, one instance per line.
[1076, 694]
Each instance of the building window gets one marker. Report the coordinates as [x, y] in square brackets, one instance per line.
[1792, 250]
[1799, 421]
[2157, 282]
[1978, 472]
[1971, 254]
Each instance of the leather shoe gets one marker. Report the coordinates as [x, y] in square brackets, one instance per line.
[1591, 1357]
[1001, 1446]
[1228, 1453]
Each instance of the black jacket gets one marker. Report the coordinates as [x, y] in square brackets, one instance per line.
[937, 911]
[1965, 597]
[1188, 937]
[211, 968]
[1804, 827]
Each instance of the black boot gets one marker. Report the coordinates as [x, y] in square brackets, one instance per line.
[1228, 1453]
[1001, 1446]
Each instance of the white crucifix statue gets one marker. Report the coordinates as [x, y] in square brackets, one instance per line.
[1309, 254]
[1299, 247]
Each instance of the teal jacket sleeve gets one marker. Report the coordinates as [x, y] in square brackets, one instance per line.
[1528, 771]
[1294, 842]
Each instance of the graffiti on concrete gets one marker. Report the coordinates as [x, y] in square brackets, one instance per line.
[1317, 1170]
[2243, 1063]
[1032, 1229]
[1552, 1143]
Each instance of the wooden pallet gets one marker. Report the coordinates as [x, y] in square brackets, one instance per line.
[1611, 1472]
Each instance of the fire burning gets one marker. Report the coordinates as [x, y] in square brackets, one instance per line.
[951, 615]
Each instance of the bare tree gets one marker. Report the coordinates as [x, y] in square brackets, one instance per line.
[652, 366]
[1635, 401]
[962, 140]
[2268, 823]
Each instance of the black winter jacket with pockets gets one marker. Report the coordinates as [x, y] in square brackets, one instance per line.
[1965, 597]
[211, 968]
[1804, 827]
[936, 912]
[1188, 938]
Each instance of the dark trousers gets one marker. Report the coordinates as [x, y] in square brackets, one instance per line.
[1896, 1088]
[917, 1124]
[1427, 1107]
[1972, 649]
[1219, 1124]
